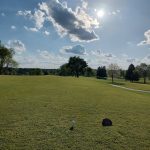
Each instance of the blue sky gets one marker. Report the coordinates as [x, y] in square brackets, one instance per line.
[46, 33]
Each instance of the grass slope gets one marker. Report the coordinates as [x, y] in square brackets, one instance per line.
[135, 85]
[36, 113]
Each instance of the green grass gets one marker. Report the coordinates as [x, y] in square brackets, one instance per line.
[36, 113]
[134, 85]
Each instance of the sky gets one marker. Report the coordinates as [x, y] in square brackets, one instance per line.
[44, 34]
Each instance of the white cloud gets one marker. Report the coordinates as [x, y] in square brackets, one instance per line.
[51, 57]
[17, 45]
[26, 13]
[84, 4]
[46, 59]
[3, 14]
[99, 58]
[13, 27]
[89, 22]
[113, 13]
[78, 25]
[31, 29]
[44, 7]
[75, 50]
[131, 60]
[38, 17]
[146, 59]
[147, 39]
[44, 54]
[118, 10]
[26, 61]
[64, 4]
[46, 33]
[42, 59]
[96, 58]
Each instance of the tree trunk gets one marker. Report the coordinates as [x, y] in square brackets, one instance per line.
[112, 78]
[144, 80]
[1, 67]
[1, 70]
[77, 74]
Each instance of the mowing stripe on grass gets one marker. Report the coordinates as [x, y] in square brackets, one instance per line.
[131, 89]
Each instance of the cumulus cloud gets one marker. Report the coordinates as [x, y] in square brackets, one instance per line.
[17, 45]
[44, 7]
[38, 17]
[26, 13]
[146, 59]
[26, 61]
[76, 50]
[96, 58]
[47, 59]
[109, 55]
[13, 27]
[89, 21]
[84, 4]
[99, 58]
[147, 39]
[41, 59]
[131, 60]
[46, 56]
[46, 33]
[31, 29]
[102, 54]
[78, 25]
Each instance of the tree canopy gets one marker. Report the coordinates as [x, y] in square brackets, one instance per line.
[101, 72]
[132, 74]
[143, 71]
[6, 58]
[77, 65]
[89, 72]
[65, 70]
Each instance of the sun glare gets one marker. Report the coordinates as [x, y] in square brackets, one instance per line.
[100, 13]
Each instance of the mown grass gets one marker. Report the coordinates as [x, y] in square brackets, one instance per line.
[135, 85]
[36, 113]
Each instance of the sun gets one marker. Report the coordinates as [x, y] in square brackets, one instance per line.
[101, 13]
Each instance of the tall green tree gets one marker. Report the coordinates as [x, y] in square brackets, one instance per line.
[65, 70]
[148, 71]
[101, 73]
[130, 73]
[77, 65]
[136, 75]
[6, 58]
[89, 72]
[143, 70]
[122, 73]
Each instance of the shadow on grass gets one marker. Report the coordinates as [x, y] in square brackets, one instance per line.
[140, 82]
[117, 83]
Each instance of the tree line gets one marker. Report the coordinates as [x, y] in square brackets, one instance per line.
[76, 66]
